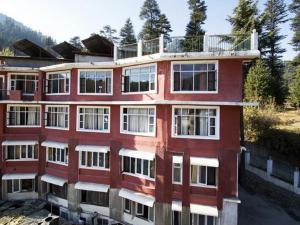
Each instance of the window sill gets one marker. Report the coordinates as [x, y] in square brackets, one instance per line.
[139, 93]
[196, 137]
[62, 164]
[204, 186]
[56, 128]
[23, 126]
[21, 160]
[139, 134]
[94, 131]
[53, 94]
[139, 176]
[96, 94]
[194, 92]
[94, 168]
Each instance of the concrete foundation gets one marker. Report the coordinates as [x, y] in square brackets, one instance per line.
[229, 214]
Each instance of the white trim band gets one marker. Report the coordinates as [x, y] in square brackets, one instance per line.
[54, 144]
[201, 161]
[206, 210]
[91, 186]
[11, 143]
[54, 180]
[92, 148]
[137, 154]
[17, 176]
[141, 198]
[177, 159]
[177, 206]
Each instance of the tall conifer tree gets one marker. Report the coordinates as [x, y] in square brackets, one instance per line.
[295, 25]
[127, 33]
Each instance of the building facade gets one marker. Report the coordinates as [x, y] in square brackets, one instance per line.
[148, 139]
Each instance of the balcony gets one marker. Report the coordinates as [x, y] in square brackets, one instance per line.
[205, 44]
[17, 95]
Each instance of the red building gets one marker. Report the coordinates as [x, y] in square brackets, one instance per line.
[151, 136]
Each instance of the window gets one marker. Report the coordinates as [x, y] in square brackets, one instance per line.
[140, 121]
[21, 152]
[140, 167]
[95, 82]
[196, 122]
[58, 155]
[57, 117]
[101, 221]
[24, 185]
[95, 198]
[58, 83]
[177, 173]
[176, 218]
[194, 77]
[98, 160]
[23, 116]
[27, 84]
[144, 212]
[94, 119]
[204, 175]
[139, 79]
[127, 205]
[197, 219]
[58, 191]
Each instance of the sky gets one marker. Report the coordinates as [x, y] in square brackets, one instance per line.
[63, 19]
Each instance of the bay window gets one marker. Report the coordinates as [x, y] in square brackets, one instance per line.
[194, 77]
[58, 83]
[58, 155]
[138, 120]
[20, 185]
[197, 219]
[26, 83]
[97, 160]
[94, 119]
[57, 117]
[140, 167]
[196, 122]
[139, 79]
[21, 152]
[27, 116]
[95, 82]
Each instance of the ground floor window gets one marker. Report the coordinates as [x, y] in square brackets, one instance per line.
[144, 212]
[58, 191]
[95, 198]
[197, 219]
[127, 205]
[25, 185]
[176, 218]
[101, 221]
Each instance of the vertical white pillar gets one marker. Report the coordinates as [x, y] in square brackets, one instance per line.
[140, 48]
[247, 158]
[254, 40]
[161, 44]
[115, 52]
[205, 43]
[269, 166]
[296, 178]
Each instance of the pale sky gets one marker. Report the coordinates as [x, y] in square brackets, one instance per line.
[63, 19]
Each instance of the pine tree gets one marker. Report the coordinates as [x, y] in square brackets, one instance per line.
[48, 43]
[76, 42]
[197, 18]
[127, 33]
[274, 15]
[155, 22]
[294, 97]
[295, 25]
[109, 33]
[258, 85]
[244, 19]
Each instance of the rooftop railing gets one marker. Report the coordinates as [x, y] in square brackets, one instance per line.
[204, 43]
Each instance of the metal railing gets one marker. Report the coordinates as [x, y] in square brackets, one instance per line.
[220, 43]
[150, 46]
[183, 44]
[127, 51]
[282, 170]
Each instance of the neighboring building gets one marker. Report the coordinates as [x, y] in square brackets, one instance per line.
[148, 139]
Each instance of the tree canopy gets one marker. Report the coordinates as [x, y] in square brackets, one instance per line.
[127, 33]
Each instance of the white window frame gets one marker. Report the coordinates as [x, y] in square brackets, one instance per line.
[57, 106]
[96, 70]
[124, 206]
[148, 134]
[58, 72]
[216, 62]
[173, 216]
[22, 159]
[181, 171]
[142, 92]
[90, 107]
[136, 209]
[135, 174]
[215, 218]
[58, 162]
[93, 167]
[24, 74]
[20, 186]
[22, 126]
[198, 184]
[139, 215]
[217, 126]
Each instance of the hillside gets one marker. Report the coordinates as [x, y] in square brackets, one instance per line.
[12, 30]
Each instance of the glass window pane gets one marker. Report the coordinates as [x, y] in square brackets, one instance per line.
[138, 166]
[211, 176]
[202, 174]
[146, 167]
[187, 81]
[193, 174]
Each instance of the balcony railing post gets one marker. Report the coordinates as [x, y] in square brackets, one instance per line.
[140, 48]
[254, 40]
[161, 44]
[247, 158]
[296, 179]
[115, 52]
[269, 166]
[205, 43]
